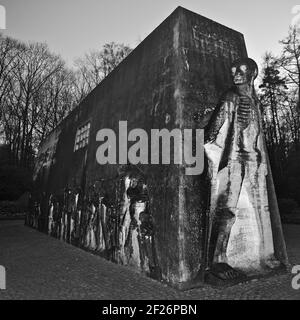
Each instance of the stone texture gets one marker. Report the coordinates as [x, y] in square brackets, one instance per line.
[176, 75]
[57, 270]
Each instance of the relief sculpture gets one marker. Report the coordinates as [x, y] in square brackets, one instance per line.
[240, 234]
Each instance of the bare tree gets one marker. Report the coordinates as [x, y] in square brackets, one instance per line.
[274, 97]
[37, 84]
[290, 59]
[96, 65]
[37, 90]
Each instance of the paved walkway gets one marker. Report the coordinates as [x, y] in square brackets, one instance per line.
[41, 267]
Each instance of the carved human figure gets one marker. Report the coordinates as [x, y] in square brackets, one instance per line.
[50, 216]
[136, 237]
[237, 169]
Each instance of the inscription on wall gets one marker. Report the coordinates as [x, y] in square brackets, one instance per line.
[211, 44]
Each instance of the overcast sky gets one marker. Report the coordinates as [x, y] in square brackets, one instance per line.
[73, 27]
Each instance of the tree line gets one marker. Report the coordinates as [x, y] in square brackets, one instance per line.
[38, 89]
[279, 93]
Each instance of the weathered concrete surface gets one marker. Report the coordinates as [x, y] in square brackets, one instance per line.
[180, 69]
[206, 52]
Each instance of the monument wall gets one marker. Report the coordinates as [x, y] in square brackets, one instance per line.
[151, 217]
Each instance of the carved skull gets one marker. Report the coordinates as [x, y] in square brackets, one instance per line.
[244, 71]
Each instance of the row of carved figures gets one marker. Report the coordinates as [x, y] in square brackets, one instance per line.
[121, 231]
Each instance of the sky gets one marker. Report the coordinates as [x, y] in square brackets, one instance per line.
[73, 27]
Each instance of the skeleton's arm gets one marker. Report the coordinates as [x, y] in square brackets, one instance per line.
[215, 124]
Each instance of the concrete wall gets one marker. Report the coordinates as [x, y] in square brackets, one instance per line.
[180, 70]
[206, 52]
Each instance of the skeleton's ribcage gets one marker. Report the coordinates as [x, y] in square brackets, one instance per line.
[243, 114]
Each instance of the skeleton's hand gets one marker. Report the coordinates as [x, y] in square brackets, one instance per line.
[213, 152]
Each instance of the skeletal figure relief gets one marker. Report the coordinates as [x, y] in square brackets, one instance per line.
[136, 231]
[90, 242]
[101, 221]
[240, 234]
[50, 217]
[125, 222]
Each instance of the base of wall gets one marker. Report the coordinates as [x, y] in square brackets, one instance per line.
[202, 281]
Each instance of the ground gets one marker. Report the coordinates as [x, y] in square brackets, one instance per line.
[41, 267]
